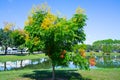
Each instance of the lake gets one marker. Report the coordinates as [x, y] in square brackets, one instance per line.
[44, 63]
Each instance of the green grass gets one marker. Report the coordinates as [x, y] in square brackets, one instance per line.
[4, 58]
[94, 74]
[102, 74]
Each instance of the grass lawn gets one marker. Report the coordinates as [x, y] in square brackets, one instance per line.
[4, 58]
[94, 74]
[102, 74]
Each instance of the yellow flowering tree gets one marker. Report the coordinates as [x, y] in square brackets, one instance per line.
[7, 30]
[57, 35]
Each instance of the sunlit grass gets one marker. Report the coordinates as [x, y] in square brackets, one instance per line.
[102, 74]
[36, 74]
[4, 58]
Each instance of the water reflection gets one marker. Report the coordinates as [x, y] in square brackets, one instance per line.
[45, 63]
[108, 61]
[9, 65]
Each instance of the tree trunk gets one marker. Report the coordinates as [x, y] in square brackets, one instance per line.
[5, 68]
[21, 51]
[5, 50]
[21, 63]
[53, 72]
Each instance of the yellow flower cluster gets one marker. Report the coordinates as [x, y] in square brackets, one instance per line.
[41, 7]
[82, 52]
[80, 10]
[22, 32]
[48, 21]
[27, 38]
[29, 21]
[8, 26]
[74, 19]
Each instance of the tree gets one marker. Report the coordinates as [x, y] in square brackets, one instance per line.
[107, 45]
[89, 48]
[1, 36]
[107, 49]
[6, 38]
[97, 45]
[18, 37]
[57, 35]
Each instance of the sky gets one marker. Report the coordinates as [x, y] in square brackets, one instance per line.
[103, 15]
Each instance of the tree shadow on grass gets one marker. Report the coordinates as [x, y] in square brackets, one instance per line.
[59, 75]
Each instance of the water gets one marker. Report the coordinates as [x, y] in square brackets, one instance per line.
[9, 65]
[108, 62]
[44, 63]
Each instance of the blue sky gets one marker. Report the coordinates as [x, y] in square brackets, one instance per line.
[103, 15]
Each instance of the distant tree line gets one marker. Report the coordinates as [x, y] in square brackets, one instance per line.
[106, 46]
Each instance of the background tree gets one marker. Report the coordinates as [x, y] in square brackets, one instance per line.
[1, 36]
[18, 37]
[116, 46]
[57, 35]
[107, 49]
[6, 38]
[89, 48]
[97, 46]
[107, 45]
